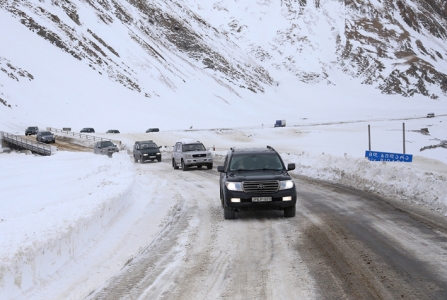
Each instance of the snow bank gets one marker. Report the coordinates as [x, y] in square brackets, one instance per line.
[395, 179]
[51, 210]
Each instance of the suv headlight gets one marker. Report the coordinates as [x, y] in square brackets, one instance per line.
[208, 154]
[234, 186]
[286, 184]
[188, 155]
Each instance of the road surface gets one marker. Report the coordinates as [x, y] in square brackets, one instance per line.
[342, 244]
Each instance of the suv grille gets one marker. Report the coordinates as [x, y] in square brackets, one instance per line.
[270, 186]
[199, 155]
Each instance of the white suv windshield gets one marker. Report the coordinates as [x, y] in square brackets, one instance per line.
[193, 147]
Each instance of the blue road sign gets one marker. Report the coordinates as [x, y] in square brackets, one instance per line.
[386, 156]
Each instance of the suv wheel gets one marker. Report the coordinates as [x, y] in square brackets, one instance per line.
[289, 212]
[209, 166]
[184, 167]
[174, 165]
[159, 159]
[135, 159]
[141, 159]
[229, 214]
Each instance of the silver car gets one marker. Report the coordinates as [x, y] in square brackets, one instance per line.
[190, 153]
[105, 147]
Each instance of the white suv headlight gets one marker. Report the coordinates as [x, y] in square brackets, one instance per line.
[188, 156]
[234, 186]
[286, 184]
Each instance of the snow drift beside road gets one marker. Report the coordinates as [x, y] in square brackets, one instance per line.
[58, 204]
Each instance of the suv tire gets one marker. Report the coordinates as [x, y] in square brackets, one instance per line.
[184, 167]
[141, 159]
[174, 165]
[289, 212]
[209, 166]
[229, 214]
[135, 159]
[159, 159]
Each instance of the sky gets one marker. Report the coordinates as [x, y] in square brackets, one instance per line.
[51, 207]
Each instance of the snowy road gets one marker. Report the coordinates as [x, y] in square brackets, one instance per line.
[173, 243]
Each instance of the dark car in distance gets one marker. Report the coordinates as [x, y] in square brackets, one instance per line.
[113, 131]
[88, 130]
[45, 137]
[152, 130]
[146, 150]
[31, 130]
[256, 179]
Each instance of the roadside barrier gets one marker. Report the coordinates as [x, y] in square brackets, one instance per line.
[81, 135]
[23, 143]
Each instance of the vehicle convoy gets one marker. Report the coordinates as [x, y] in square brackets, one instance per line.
[31, 130]
[105, 147]
[256, 179]
[88, 130]
[189, 153]
[146, 150]
[280, 123]
[45, 137]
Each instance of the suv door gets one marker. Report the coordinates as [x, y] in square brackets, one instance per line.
[176, 152]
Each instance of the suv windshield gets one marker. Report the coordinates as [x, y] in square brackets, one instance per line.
[46, 133]
[107, 144]
[252, 162]
[32, 128]
[193, 147]
[148, 146]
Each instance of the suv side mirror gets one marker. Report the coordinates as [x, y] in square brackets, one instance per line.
[290, 167]
[220, 169]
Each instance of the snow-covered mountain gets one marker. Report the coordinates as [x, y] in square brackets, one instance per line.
[191, 56]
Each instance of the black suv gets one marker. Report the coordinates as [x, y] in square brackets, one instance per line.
[31, 130]
[88, 130]
[256, 179]
[146, 150]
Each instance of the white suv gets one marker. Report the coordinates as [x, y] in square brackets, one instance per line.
[188, 153]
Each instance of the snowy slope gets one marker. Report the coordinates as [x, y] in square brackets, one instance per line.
[192, 63]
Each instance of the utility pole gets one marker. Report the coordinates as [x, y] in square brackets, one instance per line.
[369, 137]
[403, 130]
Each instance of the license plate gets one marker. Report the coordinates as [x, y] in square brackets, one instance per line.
[261, 199]
[151, 156]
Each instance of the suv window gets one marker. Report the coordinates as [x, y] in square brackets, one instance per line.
[193, 147]
[268, 161]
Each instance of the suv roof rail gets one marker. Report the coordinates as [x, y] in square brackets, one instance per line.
[232, 149]
[270, 147]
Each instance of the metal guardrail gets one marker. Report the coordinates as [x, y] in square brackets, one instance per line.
[36, 147]
[82, 135]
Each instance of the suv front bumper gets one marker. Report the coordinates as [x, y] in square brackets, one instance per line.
[280, 200]
[198, 161]
[151, 156]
